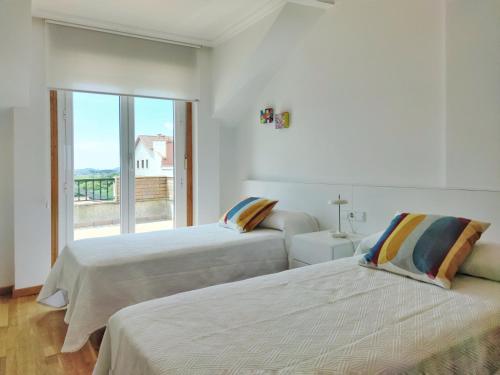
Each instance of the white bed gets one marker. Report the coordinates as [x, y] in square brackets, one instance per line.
[97, 277]
[330, 318]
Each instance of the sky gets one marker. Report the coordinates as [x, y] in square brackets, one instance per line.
[96, 126]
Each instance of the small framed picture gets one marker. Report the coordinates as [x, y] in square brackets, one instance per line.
[282, 120]
[267, 116]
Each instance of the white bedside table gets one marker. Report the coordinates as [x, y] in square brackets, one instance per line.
[319, 247]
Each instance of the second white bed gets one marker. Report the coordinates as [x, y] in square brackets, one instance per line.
[97, 277]
[330, 318]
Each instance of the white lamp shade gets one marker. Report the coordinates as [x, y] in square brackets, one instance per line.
[338, 202]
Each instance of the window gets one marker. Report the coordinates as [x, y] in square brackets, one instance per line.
[109, 197]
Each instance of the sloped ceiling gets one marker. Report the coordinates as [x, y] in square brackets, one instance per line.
[252, 70]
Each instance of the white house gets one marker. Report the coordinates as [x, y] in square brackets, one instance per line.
[154, 156]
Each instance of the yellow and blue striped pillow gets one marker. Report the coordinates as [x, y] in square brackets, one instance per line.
[247, 214]
[428, 248]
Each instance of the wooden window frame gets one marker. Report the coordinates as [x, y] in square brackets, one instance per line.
[54, 178]
[189, 165]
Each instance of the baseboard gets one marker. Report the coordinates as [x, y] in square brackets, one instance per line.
[6, 290]
[24, 292]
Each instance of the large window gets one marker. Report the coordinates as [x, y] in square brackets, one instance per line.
[124, 164]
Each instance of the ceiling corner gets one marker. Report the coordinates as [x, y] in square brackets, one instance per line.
[249, 20]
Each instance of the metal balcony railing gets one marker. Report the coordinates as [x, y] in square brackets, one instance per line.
[94, 189]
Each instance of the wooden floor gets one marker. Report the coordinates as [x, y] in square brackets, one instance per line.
[31, 336]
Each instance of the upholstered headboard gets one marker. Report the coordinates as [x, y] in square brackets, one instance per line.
[380, 203]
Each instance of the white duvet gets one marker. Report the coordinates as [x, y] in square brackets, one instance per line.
[330, 318]
[97, 277]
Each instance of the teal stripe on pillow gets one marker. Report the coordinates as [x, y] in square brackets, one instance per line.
[238, 207]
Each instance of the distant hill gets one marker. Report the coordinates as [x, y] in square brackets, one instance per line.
[91, 172]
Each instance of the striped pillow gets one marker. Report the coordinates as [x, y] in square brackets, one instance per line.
[247, 214]
[428, 248]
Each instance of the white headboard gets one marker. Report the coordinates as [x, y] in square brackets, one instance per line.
[380, 203]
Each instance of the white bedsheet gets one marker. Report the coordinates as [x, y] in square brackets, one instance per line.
[97, 277]
[330, 318]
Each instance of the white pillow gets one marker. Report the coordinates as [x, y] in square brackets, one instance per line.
[483, 261]
[367, 243]
[283, 220]
[290, 222]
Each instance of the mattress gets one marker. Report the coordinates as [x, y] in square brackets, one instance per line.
[97, 277]
[331, 318]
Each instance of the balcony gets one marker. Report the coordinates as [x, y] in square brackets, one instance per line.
[97, 206]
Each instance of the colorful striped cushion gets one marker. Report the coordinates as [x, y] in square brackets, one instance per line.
[428, 248]
[247, 214]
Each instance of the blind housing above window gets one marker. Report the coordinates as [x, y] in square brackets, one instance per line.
[86, 60]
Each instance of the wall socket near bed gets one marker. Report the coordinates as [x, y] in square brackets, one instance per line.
[357, 216]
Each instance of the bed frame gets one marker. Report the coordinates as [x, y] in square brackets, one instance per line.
[380, 203]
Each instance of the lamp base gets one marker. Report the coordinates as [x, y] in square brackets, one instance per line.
[339, 235]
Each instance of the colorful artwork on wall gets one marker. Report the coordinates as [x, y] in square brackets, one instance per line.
[267, 116]
[282, 120]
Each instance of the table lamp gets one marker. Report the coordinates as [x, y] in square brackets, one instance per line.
[338, 202]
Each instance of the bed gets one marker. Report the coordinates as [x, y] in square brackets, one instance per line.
[95, 278]
[330, 318]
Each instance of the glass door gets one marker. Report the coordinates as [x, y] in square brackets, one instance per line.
[123, 166]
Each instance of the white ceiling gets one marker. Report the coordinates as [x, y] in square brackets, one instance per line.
[197, 22]
[200, 22]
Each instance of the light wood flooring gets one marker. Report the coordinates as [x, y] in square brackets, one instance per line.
[31, 336]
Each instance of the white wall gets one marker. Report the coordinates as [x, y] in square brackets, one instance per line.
[6, 201]
[388, 92]
[473, 84]
[32, 173]
[206, 143]
[366, 91]
[230, 58]
[15, 25]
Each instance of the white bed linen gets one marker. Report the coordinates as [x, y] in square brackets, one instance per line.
[330, 318]
[97, 277]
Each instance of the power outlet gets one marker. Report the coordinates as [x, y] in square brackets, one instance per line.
[347, 215]
[358, 216]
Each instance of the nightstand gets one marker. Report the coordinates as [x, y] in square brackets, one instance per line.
[319, 247]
